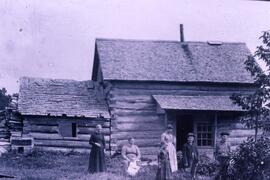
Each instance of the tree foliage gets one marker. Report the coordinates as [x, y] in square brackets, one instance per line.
[257, 103]
[4, 98]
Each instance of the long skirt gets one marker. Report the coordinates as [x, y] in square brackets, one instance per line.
[164, 171]
[97, 160]
[172, 156]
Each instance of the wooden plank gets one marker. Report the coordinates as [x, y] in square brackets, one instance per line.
[116, 91]
[93, 124]
[56, 136]
[133, 105]
[154, 142]
[236, 141]
[176, 86]
[62, 149]
[143, 134]
[132, 99]
[140, 126]
[138, 119]
[89, 130]
[48, 129]
[242, 133]
[64, 143]
[128, 112]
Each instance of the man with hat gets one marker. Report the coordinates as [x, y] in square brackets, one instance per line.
[222, 154]
[190, 155]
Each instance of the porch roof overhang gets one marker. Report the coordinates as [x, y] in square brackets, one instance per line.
[199, 103]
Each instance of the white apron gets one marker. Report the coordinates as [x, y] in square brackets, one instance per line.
[169, 139]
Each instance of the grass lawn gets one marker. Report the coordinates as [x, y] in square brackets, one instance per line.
[51, 165]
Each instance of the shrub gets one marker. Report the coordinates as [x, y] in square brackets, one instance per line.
[250, 160]
[206, 166]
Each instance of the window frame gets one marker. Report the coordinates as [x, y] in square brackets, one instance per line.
[206, 118]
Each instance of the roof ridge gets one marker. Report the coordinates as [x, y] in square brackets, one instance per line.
[57, 79]
[168, 41]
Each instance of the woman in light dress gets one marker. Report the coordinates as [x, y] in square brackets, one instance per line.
[131, 155]
[169, 139]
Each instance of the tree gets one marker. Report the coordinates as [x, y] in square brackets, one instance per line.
[257, 103]
[4, 99]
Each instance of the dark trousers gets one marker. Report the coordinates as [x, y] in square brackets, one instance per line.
[223, 168]
[192, 168]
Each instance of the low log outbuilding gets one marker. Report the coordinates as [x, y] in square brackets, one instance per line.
[61, 114]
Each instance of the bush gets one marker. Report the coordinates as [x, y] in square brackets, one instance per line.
[206, 166]
[251, 160]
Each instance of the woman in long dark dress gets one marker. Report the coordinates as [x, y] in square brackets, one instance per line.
[97, 156]
[164, 168]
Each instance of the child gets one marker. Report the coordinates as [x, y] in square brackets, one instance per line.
[164, 169]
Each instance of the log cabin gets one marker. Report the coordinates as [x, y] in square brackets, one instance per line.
[138, 87]
[61, 114]
[149, 84]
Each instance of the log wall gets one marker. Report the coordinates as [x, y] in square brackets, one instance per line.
[134, 111]
[46, 134]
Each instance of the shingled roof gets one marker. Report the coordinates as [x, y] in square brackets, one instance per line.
[38, 96]
[209, 103]
[172, 61]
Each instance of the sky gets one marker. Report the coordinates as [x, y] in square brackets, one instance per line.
[55, 38]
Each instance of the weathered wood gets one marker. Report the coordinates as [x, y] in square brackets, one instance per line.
[43, 128]
[140, 126]
[93, 124]
[64, 143]
[178, 86]
[62, 149]
[137, 119]
[118, 91]
[56, 136]
[132, 99]
[137, 135]
[89, 130]
[237, 141]
[154, 142]
[134, 106]
[242, 132]
[128, 112]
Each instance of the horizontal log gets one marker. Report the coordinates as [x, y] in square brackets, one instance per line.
[94, 124]
[62, 149]
[137, 118]
[56, 136]
[44, 128]
[154, 142]
[136, 105]
[176, 86]
[123, 92]
[89, 130]
[132, 99]
[64, 143]
[125, 112]
[137, 135]
[242, 133]
[140, 126]
[237, 141]
[56, 121]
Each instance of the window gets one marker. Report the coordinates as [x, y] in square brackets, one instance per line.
[67, 129]
[205, 135]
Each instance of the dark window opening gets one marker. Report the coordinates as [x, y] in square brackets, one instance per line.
[74, 130]
[67, 129]
[205, 133]
[20, 150]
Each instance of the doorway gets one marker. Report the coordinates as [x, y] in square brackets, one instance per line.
[184, 125]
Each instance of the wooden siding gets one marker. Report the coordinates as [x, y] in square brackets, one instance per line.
[45, 131]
